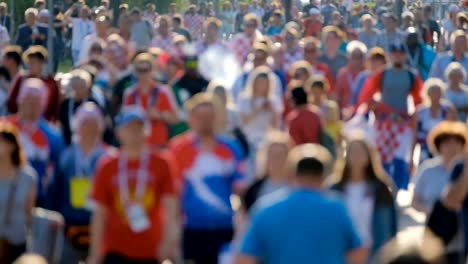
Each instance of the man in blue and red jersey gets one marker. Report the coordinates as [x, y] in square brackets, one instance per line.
[211, 169]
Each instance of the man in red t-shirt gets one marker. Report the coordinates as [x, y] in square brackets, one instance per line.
[153, 99]
[134, 220]
[304, 121]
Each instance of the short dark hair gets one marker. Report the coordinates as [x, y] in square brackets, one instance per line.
[299, 96]
[310, 167]
[442, 138]
[177, 19]
[135, 11]
[13, 53]
[9, 133]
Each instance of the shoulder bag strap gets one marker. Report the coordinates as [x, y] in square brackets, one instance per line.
[10, 201]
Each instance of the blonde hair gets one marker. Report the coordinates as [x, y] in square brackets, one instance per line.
[430, 85]
[300, 65]
[256, 74]
[273, 138]
[80, 75]
[252, 17]
[455, 67]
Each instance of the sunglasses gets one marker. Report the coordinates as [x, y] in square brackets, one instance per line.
[250, 25]
[310, 50]
[143, 69]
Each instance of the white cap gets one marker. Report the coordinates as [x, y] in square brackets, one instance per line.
[453, 8]
[43, 13]
[314, 12]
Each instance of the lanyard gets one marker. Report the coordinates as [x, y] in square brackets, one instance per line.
[83, 162]
[413, 61]
[142, 177]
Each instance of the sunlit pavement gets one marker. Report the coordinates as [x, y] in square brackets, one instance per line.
[409, 218]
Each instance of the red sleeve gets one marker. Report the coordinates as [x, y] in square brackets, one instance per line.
[164, 104]
[100, 192]
[371, 86]
[168, 173]
[15, 88]
[416, 91]
[294, 129]
[341, 89]
[173, 173]
[329, 77]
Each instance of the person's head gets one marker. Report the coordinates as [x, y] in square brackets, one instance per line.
[300, 70]
[151, 7]
[251, 23]
[291, 37]
[407, 19]
[123, 9]
[3, 9]
[427, 11]
[398, 55]
[88, 122]
[177, 21]
[192, 9]
[10, 145]
[273, 155]
[30, 259]
[413, 38]
[135, 14]
[367, 21]
[314, 14]
[448, 139]
[164, 25]
[459, 42]
[217, 89]
[390, 21]
[32, 99]
[296, 94]
[260, 83]
[455, 73]
[30, 16]
[203, 109]
[130, 126]
[356, 51]
[311, 49]
[80, 83]
[85, 12]
[434, 89]
[332, 38]
[362, 161]
[96, 49]
[277, 18]
[143, 66]
[260, 54]
[227, 6]
[103, 24]
[43, 16]
[117, 51]
[172, 8]
[310, 164]
[462, 20]
[12, 57]
[336, 18]
[453, 10]
[35, 58]
[317, 87]
[39, 4]
[376, 59]
[211, 28]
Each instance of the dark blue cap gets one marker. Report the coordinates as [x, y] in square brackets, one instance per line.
[397, 48]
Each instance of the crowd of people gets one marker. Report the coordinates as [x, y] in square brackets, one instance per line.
[338, 106]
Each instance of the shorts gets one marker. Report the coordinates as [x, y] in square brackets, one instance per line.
[204, 246]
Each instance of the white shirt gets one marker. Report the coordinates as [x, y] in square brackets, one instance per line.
[81, 29]
[360, 205]
[4, 37]
[86, 45]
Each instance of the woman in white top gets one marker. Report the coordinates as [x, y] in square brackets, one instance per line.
[457, 91]
[367, 194]
[259, 109]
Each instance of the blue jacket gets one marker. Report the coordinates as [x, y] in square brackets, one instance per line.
[58, 196]
[24, 36]
[425, 61]
[384, 219]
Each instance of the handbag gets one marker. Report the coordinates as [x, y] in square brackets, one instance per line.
[5, 246]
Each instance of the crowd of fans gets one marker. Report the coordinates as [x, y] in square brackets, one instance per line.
[299, 160]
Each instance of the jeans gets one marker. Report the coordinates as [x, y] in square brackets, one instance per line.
[76, 57]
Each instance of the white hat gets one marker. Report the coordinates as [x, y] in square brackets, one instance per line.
[43, 13]
[453, 8]
[314, 12]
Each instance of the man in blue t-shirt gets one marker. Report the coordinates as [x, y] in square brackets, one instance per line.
[305, 225]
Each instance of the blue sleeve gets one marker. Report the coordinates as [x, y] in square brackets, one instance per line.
[55, 194]
[357, 88]
[239, 163]
[457, 171]
[251, 244]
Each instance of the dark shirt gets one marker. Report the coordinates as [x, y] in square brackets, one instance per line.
[457, 172]
[183, 32]
[24, 39]
[119, 90]
[192, 84]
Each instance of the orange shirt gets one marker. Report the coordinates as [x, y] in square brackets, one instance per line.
[157, 99]
[118, 237]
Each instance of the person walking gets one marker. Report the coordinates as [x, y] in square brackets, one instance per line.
[289, 227]
[134, 199]
[18, 188]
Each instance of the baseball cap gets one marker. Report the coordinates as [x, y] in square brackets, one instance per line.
[453, 8]
[397, 48]
[314, 12]
[129, 114]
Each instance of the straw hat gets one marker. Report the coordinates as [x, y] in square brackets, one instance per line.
[446, 129]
